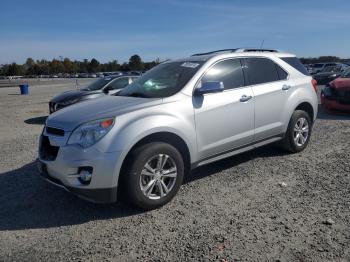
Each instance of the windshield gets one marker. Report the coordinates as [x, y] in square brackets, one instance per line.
[346, 73]
[163, 80]
[98, 84]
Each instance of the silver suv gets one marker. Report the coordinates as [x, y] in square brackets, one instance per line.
[180, 115]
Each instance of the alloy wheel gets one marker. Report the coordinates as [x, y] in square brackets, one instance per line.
[301, 131]
[158, 176]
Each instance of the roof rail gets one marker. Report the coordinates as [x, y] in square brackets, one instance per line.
[237, 50]
[256, 50]
[217, 51]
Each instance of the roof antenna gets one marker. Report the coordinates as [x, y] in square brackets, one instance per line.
[262, 43]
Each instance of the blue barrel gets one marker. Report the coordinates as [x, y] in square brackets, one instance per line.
[24, 89]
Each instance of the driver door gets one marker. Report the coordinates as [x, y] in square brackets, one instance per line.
[224, 120]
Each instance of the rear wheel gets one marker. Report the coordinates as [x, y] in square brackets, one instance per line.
[298, 133]
[154, 175]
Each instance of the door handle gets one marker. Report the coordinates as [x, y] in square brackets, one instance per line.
[286, 87]
[245, 98]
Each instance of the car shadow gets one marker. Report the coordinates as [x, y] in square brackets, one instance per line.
[228, 163]
[36, 120]
[324, 114]
[29, 202]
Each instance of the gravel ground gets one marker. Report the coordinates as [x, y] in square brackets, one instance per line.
[263, 205]
[43, 81]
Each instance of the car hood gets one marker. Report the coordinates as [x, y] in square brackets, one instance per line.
[73, 94]
[110, 106]
[341, 84]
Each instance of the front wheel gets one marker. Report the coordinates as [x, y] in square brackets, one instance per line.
[298, 133]
[154, 175]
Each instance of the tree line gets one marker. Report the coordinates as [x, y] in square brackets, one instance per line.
[135, 63]
[65, 65]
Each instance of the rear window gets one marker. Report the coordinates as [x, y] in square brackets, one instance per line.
[294, 62]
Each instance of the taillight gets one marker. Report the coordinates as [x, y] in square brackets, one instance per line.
[314, 84]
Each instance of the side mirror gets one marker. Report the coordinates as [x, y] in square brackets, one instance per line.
[210, 87]
[107, 89]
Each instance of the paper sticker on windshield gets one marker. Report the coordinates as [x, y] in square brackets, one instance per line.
[190, 65]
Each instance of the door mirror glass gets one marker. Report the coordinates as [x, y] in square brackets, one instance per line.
[210, 87]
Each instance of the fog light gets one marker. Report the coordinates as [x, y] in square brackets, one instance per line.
[85, 175]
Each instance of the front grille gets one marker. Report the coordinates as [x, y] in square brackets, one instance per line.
[46, 150]
[344, 101]
[54, 131]
[343, 97]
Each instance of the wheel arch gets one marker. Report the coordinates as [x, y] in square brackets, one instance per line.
[307, 107]
[165, 137]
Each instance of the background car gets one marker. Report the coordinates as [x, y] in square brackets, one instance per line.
[328, 74]
[103, 86]
[318, 67]
[336, 95]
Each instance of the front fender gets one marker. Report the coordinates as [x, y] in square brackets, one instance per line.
[135, 131]
[129, 131]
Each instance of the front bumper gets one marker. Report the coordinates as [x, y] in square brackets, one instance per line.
[334, 105]
[63, 171]
[99, 195]
[335, 99]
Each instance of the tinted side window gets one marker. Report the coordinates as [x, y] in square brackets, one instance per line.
[261, 70]
[294, 62]
[228, 71]
[119, 83]
[281, 73]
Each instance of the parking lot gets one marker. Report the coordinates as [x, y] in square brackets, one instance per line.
[261, 205]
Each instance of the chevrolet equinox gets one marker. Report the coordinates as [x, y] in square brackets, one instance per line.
[180, 115]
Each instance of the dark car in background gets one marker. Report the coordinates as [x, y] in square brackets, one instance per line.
[318, 67]
[336, 95]
[328, 74]
[109, 85]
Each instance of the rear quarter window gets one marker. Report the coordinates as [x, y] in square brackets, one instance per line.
[295, 62]
[283, 75]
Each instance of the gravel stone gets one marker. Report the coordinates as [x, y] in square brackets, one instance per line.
[329, 221]
[229, 210]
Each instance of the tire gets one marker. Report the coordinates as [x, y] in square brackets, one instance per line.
[137, 177]
[289, 143]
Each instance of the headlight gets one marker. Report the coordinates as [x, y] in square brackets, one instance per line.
[334, 75]
[88, 134]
